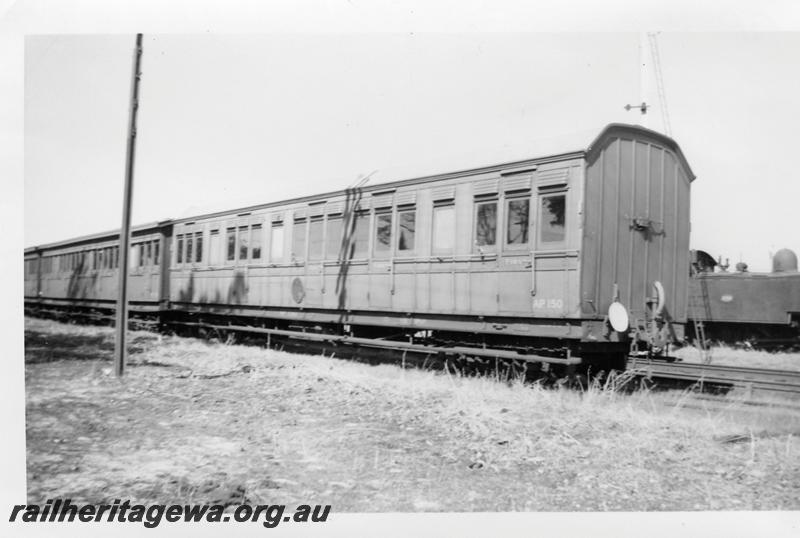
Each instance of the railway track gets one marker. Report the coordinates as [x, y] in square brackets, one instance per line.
[755, 379]
[784, 382]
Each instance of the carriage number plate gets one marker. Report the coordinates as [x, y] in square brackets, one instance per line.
[553, 304]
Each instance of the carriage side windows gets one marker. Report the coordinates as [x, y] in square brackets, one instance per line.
[552, 223]
[189, 249]
[213, 248]
[255, 242]
[179, 249]
[155, 251]
[444, 232]
[134, 255]
[244, 243]
[517, 221]
[231, 244]
[316, 245]
[407, 229]
[383, 233]
[276, 243]
[485, 223]
[198, 247]
[149, 252]
[334, 238]
[361, 235]
[299, 240]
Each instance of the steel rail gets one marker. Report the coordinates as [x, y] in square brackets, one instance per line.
[756, 378]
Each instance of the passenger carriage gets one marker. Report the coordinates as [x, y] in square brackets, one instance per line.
[527, 255]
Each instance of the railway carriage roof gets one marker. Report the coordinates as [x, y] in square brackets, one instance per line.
[549, 149]
[97, 237]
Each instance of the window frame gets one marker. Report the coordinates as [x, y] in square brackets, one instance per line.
[476, 204]
[389, 251]
[328, 219]
[438, 207]
[366, 217]
[399, 212]
[215, 259]
[273, 258]
[251, 246]
[541, 196]
[228, 258]
[242, 232]
[317, 219]
[508, 199]
[299, 257]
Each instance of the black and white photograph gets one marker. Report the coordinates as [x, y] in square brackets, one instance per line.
[334, 268]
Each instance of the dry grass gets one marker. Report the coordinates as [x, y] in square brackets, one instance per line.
[751, 358]
[200, 422]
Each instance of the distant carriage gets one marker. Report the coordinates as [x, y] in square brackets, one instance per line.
[525, 257]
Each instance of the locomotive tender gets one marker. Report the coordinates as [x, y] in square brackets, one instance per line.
[524, 257]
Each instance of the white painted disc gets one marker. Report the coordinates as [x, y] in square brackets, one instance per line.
[660, 297]
[618, 317]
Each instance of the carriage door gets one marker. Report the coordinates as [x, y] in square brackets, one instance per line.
[516, 242]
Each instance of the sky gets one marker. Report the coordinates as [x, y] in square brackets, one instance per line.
[231, 120]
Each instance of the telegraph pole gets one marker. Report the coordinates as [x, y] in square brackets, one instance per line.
[120, 349]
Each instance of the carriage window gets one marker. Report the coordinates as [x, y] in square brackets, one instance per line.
[198, 247]
[553, 218]
[407, 230]
[517, 222]
[444, 232]
[179, 250]
[149, 252]
[189, 250]
[361, 235]
[485, 224]
[231, 242]
[276, 245]
[383, 232]
[334, 238]
[255, 242]
[134, 257]
[316, 246]
[213, 247]
[299, 240]
[155, 251]
[244, 242]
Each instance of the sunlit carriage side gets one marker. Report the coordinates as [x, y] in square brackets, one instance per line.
[521, 258]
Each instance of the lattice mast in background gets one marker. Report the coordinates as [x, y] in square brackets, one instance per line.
[649, 41]
[662, 95]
